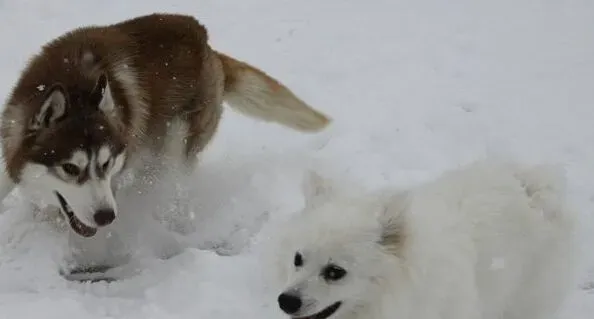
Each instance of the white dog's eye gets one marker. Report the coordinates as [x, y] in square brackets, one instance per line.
[298, 260]
[71, 169]
[333, 273]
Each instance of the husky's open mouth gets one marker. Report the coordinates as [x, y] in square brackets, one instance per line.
[75, 223]
[329, 311]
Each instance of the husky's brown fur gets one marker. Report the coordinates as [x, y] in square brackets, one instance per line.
[159, 68]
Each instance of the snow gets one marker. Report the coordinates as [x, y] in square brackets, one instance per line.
[414, 88]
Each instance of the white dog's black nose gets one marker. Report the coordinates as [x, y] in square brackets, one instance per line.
[290, 304]
[104, 216]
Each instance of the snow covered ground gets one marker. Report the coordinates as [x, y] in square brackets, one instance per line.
[414, 88]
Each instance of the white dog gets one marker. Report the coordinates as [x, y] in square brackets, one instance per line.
[491, 240]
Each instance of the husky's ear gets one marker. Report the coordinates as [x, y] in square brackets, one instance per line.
[314, 187]
[391, 220]
[101, 96]
[52, 108]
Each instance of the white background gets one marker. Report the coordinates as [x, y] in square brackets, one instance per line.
[414, 88]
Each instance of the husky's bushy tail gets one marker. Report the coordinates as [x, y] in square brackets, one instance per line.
[252, 92]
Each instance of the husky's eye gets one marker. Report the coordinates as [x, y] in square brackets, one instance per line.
[298, 260]
[71, 169]
[333, 273]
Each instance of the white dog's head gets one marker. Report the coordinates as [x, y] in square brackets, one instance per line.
[340, 252]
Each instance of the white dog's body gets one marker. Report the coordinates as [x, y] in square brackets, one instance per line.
[488, 241]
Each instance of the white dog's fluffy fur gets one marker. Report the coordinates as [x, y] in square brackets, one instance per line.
[490, 240]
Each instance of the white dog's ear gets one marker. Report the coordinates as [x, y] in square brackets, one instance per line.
[314, 187]
[52, 108]
[391, 220]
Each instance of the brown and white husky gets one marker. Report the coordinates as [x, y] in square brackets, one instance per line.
[101, 99]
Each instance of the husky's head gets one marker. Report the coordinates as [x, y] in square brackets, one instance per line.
[73, 149]
[340, 252]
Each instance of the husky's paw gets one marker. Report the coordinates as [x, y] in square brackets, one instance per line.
[88, 274]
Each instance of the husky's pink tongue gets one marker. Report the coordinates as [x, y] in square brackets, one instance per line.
[78, 226]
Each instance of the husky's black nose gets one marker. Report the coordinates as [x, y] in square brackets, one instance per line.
[104, 216]
[290, 304]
